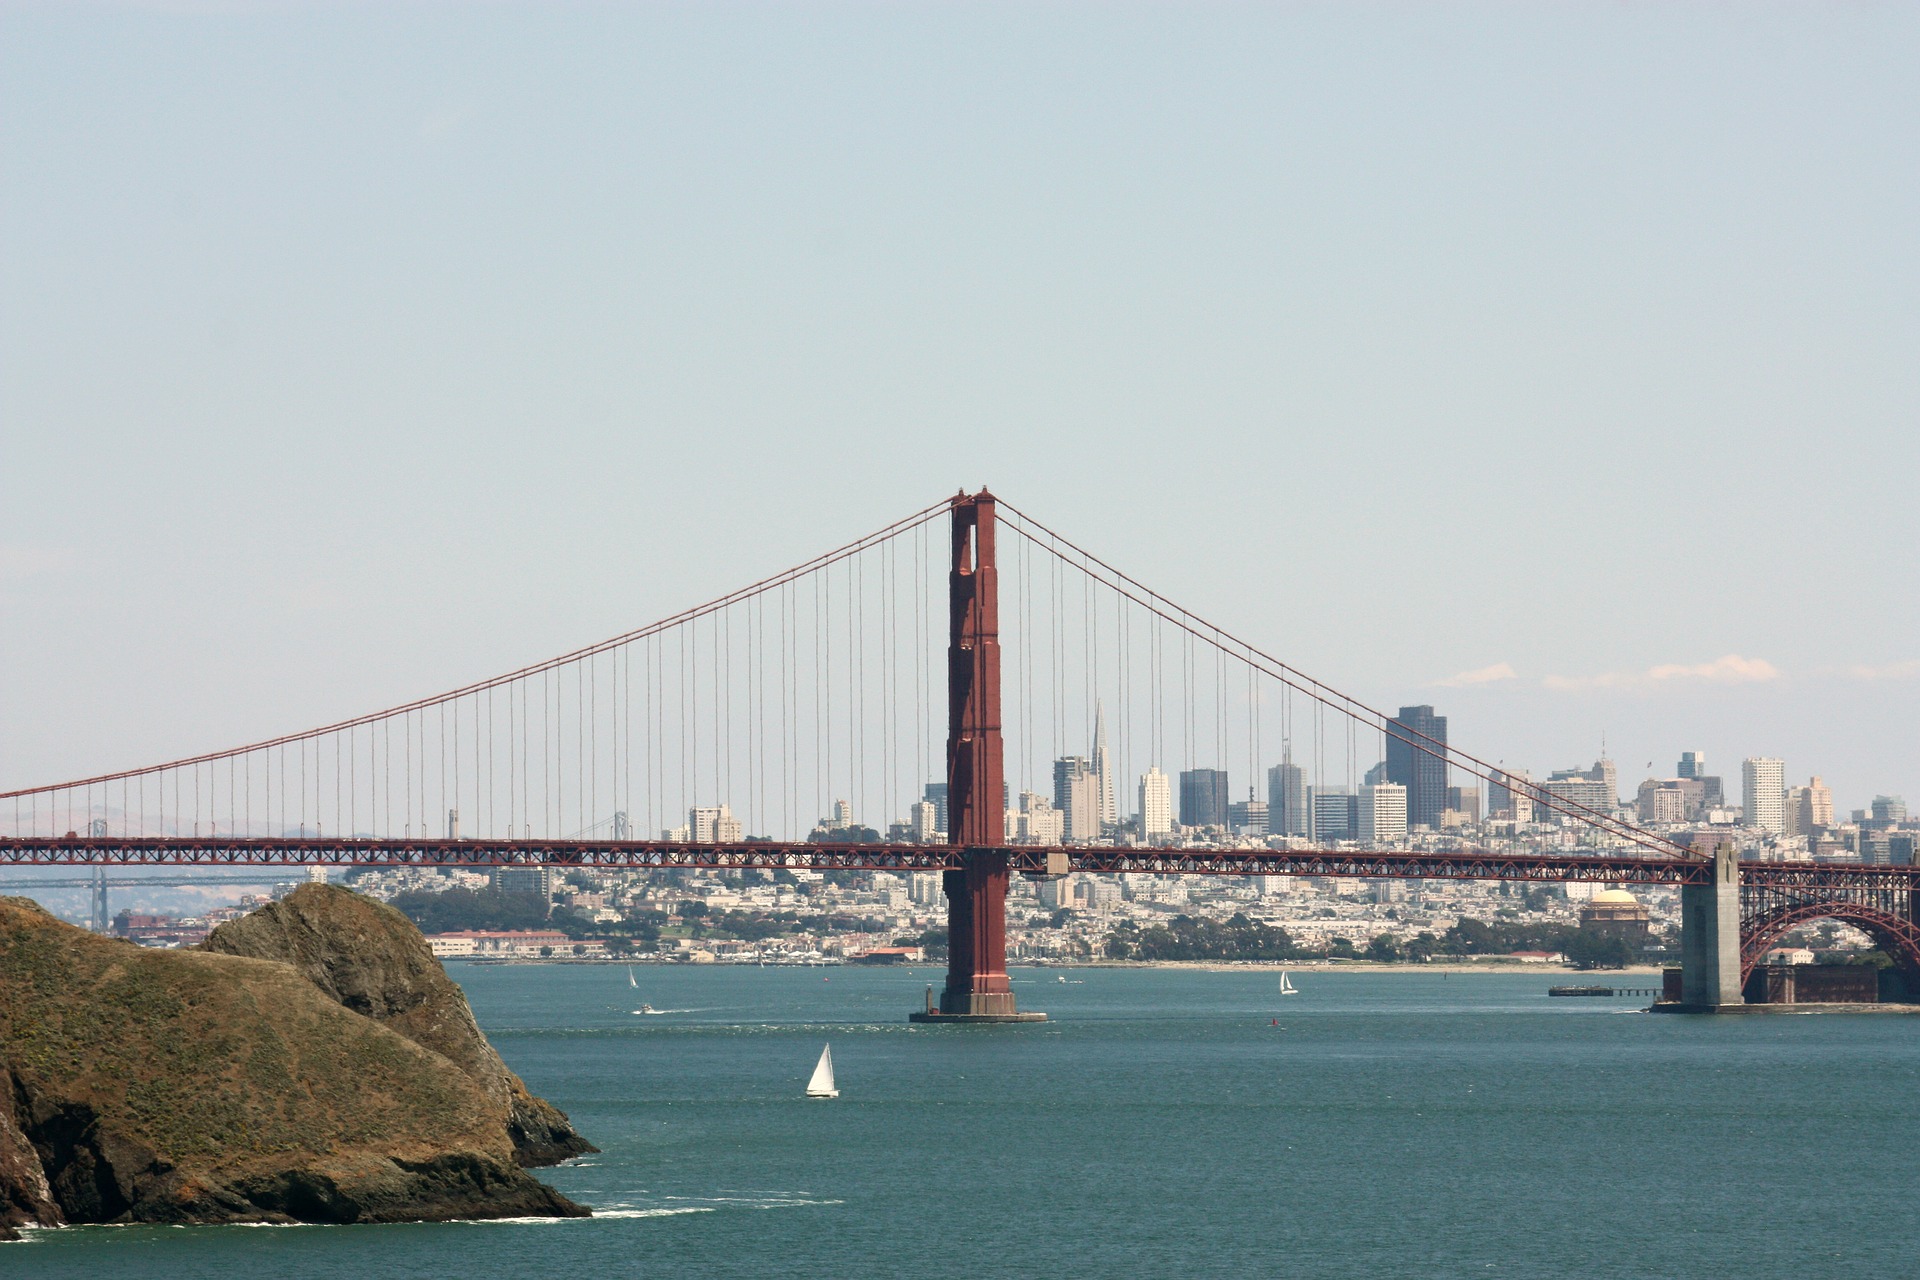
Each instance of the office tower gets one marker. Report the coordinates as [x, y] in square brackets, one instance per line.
[1248, 817]
[1465, 801]
[1383, 814]
[1891, 810]
[1765, 780]
[1036, 821]
[1076, 794]
[1287, 797]
[1510, 796]
[1156, 804]
[925, 820]
[1663, 802]
[1417, 760]
[1106, 811]
[1335, 813]
[842, 816]
[1203, 798]
[1692, 765]
[937, 793]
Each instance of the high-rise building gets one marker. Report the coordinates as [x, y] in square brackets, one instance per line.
[937, 793]
[1417, 760]
[1809, 808]
[1663, 802]
[715, 824]
[1076, 794]
[1888, 809]
[1510, 796]
[1335, 812]
[1036, 821]
[1286, 797]
[842, 816]
[1465, 801]
[1203, 797]
[1107, 811]
[1156, 804]
[1382, 814]
[1765, 785]
[1692, 765]
[925, 822]
[1248, 817]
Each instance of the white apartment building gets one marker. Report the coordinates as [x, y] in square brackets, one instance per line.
[1156, 804]
[1765, 780]
[712, 825]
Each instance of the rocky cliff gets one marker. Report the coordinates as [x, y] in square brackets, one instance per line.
[371, 959]
[173, 1086]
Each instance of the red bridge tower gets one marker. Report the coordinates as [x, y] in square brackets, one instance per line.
[977, 986]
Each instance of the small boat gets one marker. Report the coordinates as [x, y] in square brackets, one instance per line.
[821, 1086]
[646, 1008]
[1286, 986]
[1063, 977]
[630, 978]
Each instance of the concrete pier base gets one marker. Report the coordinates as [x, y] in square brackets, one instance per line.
[1710, 940]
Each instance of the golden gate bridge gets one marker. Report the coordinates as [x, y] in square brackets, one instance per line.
[817, 688]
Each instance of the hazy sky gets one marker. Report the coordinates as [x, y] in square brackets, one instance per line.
[348, 352]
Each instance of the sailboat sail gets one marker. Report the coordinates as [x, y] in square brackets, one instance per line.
[630, 981]
[821, 1086]
[1286, 986]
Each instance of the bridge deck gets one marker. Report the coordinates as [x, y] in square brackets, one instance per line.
[230, 851]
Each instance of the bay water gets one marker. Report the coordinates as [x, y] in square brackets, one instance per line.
[1164, 1123]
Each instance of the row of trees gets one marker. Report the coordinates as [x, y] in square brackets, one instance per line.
[1239, 938]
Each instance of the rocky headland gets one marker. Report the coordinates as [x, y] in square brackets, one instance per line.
[313, 1063]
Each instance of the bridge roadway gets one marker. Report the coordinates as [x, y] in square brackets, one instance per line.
[1032, 860]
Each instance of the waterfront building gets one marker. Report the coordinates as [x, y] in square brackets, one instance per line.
[1382, 814]
[1203, 797]
[1618, 914]
[1287, 797]
[1156, 804]
[1417, 761]
[1764, 780]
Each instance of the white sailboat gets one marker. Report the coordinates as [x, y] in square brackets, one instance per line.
[1286, 986]
[821, 1086]
[630, 981]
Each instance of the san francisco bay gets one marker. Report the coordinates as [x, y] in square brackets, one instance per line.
[1164, 1123]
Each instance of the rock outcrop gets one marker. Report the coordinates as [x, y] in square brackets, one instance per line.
[371, 959]
[178, 1087]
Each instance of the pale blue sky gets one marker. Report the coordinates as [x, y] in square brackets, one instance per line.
[351, 351]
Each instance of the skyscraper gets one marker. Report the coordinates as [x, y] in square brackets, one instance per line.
[1156, 804]
[1108, 812]
[1335, 813]
[1509, 796]
[1765, 780]
[1382, 813]
[1076, 796]
[1417, 760]
[1692, 765]
[1203, 798]
[1286, 797]
[937, 793]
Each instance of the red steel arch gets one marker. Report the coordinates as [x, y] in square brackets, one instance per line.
[1897, 935]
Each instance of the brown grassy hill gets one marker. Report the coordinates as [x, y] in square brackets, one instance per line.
[372, 959]
[175, 1086]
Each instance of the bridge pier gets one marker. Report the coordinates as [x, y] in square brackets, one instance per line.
[978, 989]
[1710, 938]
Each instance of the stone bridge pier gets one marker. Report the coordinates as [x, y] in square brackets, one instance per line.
[1710, 976]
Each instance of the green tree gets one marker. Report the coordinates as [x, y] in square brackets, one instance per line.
[1383, 948]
